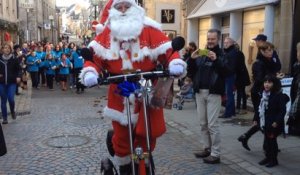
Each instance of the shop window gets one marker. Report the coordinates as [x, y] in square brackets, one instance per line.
[253, 24]
[204, 26]
[225, 21]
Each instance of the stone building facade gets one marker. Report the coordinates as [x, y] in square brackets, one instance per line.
[166, 12]
[40, 22]
[242, 21]
[8, 20]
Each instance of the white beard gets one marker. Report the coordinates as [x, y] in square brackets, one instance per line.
[126, 26]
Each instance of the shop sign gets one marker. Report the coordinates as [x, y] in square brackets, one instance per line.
[27, 4]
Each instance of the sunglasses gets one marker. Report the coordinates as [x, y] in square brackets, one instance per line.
[121, 5]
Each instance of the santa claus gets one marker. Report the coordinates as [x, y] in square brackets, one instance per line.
[129, 41]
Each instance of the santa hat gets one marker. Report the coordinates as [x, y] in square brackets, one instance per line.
[105, 13]
[99, 26]
[119, 1]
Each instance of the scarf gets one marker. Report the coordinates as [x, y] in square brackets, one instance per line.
[263, 106]
[6, 57]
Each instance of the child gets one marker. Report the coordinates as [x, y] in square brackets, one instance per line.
[50, 66]
[270, 115]
[186, 89]
[64, 70]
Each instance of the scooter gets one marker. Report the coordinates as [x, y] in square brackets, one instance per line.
[143, 89]
[140, 85]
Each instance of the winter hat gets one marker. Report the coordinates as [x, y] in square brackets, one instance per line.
[99, 26]
[260, 37]
[86, 54]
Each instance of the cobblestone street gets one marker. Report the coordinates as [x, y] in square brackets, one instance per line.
[63, 133]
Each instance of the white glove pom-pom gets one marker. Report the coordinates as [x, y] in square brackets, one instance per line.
[90, 79]
[177, 69]
[99, 29]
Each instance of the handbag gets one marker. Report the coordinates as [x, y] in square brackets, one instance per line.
[24, 77]
[162, 94]
[2, 142]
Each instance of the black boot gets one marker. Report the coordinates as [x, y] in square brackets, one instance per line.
[244, 139]
[107, 167]
[125, 169]
[272, 163]
[273, 152]
[264, 161]
[109, 143]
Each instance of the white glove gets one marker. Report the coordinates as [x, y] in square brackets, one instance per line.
[90, 79]
[176, 69]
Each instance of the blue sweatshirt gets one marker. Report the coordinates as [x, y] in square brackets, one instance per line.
[64, 67]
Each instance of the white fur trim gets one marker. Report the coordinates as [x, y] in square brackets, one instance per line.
[150, 22]
[86, 70]
[119, 1]
[122, 160]
[161, 49]
[179, 61]
[126, 63]
[136, 52]
[113, 52]
[114, 49]
[119, 116]
[102, 52]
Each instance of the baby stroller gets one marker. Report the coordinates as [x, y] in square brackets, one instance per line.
[186, 93]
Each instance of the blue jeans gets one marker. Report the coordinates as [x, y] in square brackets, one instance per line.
[7, 92]
[230, 106]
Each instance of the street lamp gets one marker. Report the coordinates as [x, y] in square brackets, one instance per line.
[51, 18]
[95, 3]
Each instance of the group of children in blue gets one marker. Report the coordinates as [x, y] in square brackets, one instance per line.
[56, 64]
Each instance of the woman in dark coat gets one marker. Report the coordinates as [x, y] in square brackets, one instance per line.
[10, 75]
[270, 118]
[267, 63]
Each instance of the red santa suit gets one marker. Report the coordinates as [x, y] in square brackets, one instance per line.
[120, 55]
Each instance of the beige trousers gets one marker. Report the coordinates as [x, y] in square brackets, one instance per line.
[208, 109]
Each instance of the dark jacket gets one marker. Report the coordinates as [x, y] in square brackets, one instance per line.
[214, 72]
[232, 53]
[296, 80]
[9, 70]
[275, 112]
[242, 75]
[262, 67]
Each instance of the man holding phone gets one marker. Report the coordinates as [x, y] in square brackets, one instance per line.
[208, 74]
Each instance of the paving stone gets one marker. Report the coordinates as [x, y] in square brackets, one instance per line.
[254, 170]
[55, 113]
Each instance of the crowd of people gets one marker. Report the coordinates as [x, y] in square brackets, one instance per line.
[44, 63]
[214, 72]
[218, 73]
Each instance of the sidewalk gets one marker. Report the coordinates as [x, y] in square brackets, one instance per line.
[23, 101]
[186, 122]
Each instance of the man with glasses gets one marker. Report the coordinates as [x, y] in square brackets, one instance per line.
[128, 42]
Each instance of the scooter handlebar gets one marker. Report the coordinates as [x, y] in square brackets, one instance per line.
[136, 76]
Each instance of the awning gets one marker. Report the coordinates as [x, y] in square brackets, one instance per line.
[211, 7]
